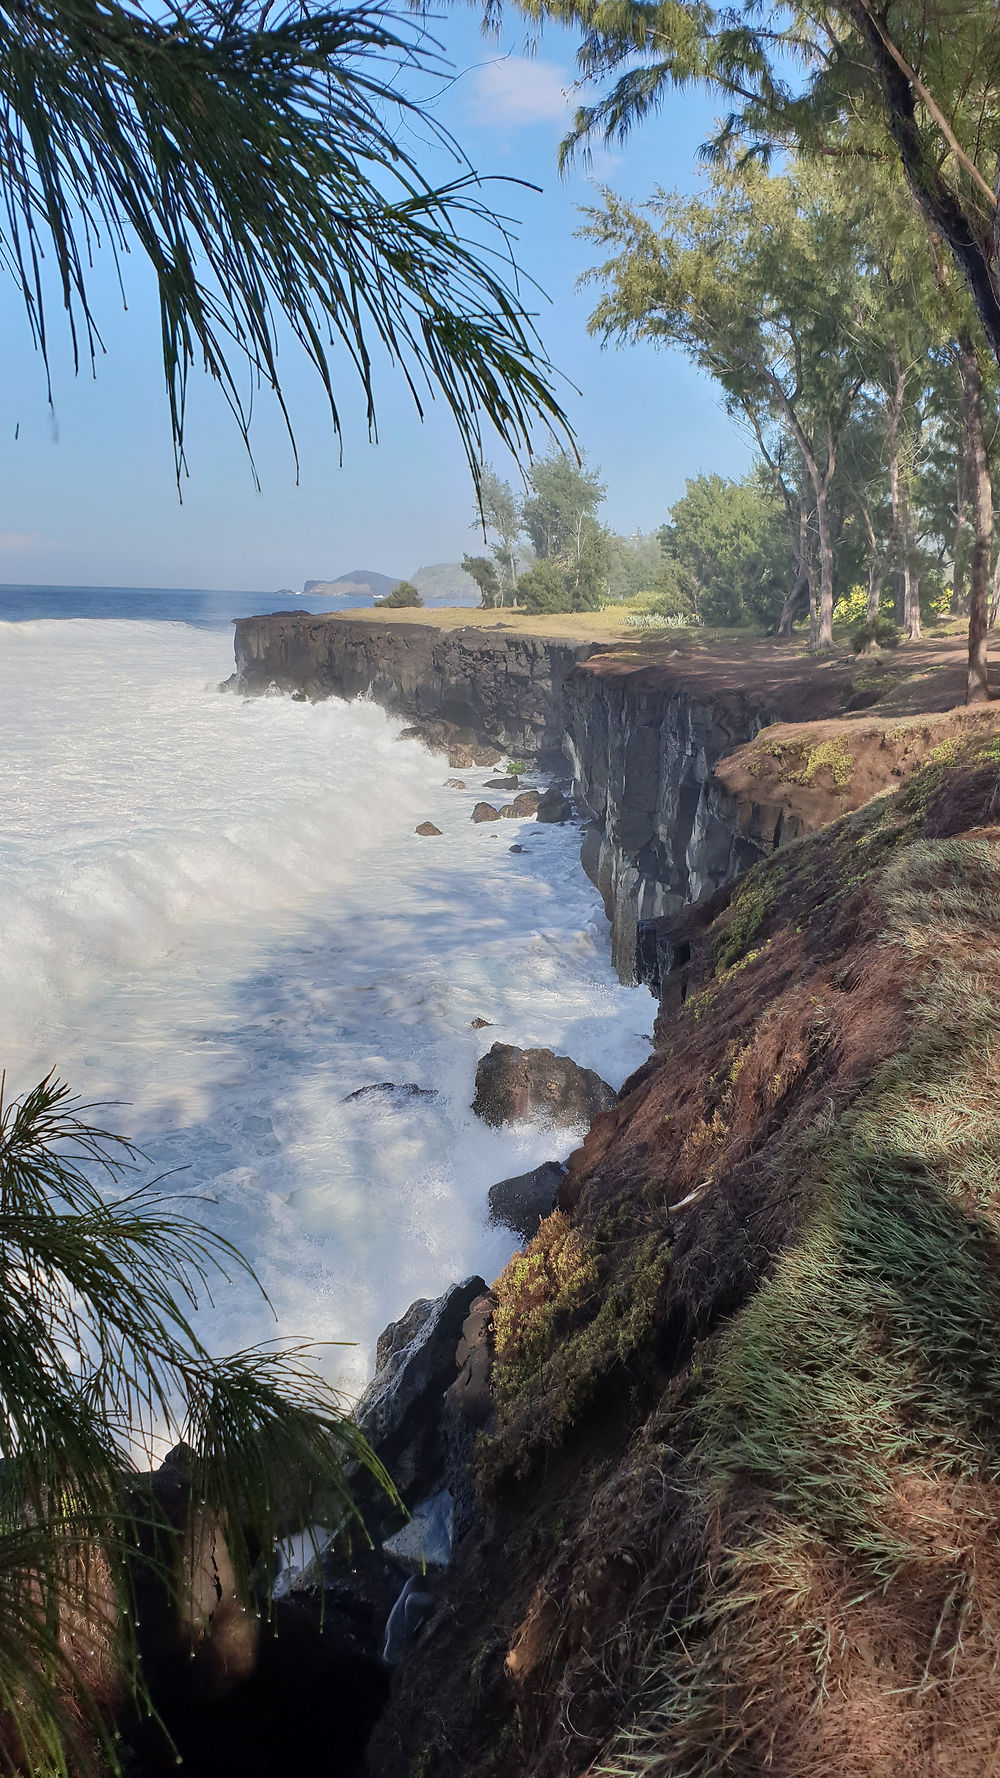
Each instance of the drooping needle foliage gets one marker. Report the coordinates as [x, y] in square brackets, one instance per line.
[257, 156]
[100, 1364]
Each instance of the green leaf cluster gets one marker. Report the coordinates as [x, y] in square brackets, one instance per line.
[101, 1368]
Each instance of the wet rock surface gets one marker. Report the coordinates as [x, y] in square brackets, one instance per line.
[521, 1203]
[427, 828]
[485, 812]
[399, 1412]
[390, 1089]
[524, 806]
[525, 1085]
[554, 807]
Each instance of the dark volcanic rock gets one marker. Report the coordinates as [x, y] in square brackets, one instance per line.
[427, 828]
[399, 1333]
[521, 1203]
[515, 1085]
[485, 812]
[554, 807]
[390, 1089]
[498, 693]
[463, 757]
[400, 1411]
[468, 1407]
[481, 1024]
[510, 782]
[515, 848]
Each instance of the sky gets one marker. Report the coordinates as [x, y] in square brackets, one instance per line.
[89, 495]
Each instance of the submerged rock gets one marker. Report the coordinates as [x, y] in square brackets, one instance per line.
[521, 1203]
[390, 1089]
[510, 782]
[515, 1086]
[554, 806]
[480, 1024]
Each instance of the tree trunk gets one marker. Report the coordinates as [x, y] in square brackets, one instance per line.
[911, 585]
[876, 575]
[900, 558]
[972, 247]
[981, 490]
[959, 563]
[876, 566]
[824, 629]
[799, 539]
[792, 603]
[995, 595]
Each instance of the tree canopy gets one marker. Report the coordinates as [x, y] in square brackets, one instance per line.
[403, 594]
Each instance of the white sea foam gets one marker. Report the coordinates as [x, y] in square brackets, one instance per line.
[218, 911]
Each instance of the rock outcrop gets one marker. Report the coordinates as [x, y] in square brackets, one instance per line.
[504, 687]
[393, 1412]
[643, 731]
[521, 1203]
[520, 1086]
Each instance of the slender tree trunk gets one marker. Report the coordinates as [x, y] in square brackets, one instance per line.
[911, 585]
[824, 630]
[813, 607]
[821, 625]
[798, 533]
[959, 563]
[876, 575]
[900, 558]
[995, 595]
[876, 566]
[981, 490]
[792, 603]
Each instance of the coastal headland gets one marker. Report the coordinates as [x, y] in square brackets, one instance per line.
[728, 1466]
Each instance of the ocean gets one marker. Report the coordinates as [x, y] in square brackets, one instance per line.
[215, 913]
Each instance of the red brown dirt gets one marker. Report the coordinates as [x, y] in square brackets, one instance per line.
[601, 1539]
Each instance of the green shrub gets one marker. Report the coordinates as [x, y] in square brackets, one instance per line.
[880, 632]
[403, 594]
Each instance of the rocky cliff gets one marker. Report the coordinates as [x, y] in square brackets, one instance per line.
[737, 1500]
[498, 687]
[642, 747]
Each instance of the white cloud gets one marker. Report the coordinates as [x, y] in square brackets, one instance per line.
[17, 539]
[521, 90]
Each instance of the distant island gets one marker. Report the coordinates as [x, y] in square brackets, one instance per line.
[440, 583]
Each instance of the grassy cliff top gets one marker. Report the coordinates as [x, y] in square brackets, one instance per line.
[917, 678]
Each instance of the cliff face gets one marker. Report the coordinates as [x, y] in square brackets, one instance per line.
[643, 755]
[641, 746]
[503, 689]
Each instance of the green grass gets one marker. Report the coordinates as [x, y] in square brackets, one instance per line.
[864, 1373]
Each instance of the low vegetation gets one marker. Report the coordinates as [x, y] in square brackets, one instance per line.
[100, 1369]
[746, 1469]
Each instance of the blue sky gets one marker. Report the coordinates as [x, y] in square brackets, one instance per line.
[88, 491]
